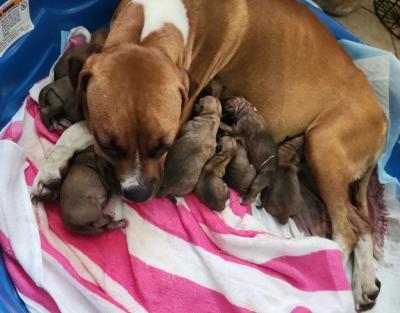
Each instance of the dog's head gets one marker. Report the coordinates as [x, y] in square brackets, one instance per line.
[133, 99]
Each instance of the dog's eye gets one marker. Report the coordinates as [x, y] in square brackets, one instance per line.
[160, 149]
[111, 148]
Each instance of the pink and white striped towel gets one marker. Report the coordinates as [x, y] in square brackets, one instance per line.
[170, 258]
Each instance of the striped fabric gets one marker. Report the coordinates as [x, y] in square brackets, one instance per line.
[170, 258]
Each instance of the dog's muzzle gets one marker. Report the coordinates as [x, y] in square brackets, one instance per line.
[139, 192]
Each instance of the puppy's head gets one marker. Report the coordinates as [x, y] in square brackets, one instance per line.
[133, 99]
[233, 106]
[226, 146]
[208, 106]
[56, 102]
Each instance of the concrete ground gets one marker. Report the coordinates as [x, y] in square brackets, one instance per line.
[364, 23]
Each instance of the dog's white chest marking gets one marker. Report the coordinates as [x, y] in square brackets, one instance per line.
[159, 12]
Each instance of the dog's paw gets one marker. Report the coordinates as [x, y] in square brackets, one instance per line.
[366, 286]
[47, 183]
[365, 292]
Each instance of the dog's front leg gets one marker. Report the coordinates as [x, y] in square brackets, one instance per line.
[49, 177]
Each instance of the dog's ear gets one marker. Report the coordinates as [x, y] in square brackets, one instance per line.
[188, 89]
[80, 103]
[76, 60]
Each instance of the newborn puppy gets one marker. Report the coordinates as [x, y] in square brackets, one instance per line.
[285, 199]
[251, 130]
[194, 147]
[210, 188]
[57, 103]
[86, 192]
[97, 41]
[240, 173]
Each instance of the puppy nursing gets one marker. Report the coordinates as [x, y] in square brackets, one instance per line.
[250, 129]
[285, 199]
[194, 147]
[240, 173]
[211, 189]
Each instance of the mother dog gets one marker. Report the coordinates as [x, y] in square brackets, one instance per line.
[160, 54]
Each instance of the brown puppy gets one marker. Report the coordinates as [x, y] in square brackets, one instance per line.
[210, 188]
[97, 40]
[57, 105]
[250, 129]
[194, 147]
[284, 199]
[57, 101]
[240, 173]
[85, 193]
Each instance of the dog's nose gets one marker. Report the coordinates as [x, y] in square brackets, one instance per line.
[139, 193]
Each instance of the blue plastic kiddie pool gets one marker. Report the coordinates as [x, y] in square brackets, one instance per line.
[30, 58]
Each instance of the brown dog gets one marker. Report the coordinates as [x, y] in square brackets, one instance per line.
[190, 152]
[85, 193]
[250, 129]
[284, 199]
[136, 94]
[240, 173]
[211, 189]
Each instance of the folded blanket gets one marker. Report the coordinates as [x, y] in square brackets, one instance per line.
[170, 258]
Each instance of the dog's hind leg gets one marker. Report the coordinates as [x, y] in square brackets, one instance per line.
[341, 152]
[366, 286]
[333, 188]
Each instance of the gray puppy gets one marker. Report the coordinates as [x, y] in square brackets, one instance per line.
[285, 198]
[251, 130]
[211, 189]
[85, 193]
[240, 173]
[58, 107]
[194, 147]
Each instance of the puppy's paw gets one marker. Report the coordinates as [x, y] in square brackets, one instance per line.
[247, 199]
[123, 223]
[59, 124]
[47, 183]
